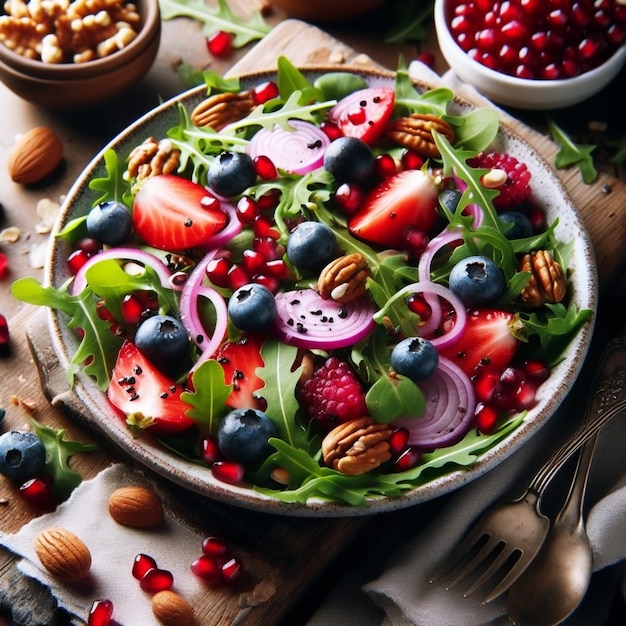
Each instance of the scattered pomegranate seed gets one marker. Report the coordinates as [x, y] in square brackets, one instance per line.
[427, 58]
[4, 266]
[214, 546]
[409, 459]
[263, 92]
[237, 277]
[486, 419]
[264, 227]
[385, 165]
[416, 241]
[89, 245]
[269, 200]
[332, 130]
[228, 471]
[206, 567]
[267, 246]
[4, 335]
[271, 282]
[100, 613]
[231, 571]
[217, 271]
[277, 268]
[398, 441]
[77, 259]
[411, 160]
[253, 261]
[210, 451]
[142, 564]
[264, 168]
[132, 309]
[38, 493]
[417, 304]
[220, 44]
[156, 579]
[536, 370]
[349, 198]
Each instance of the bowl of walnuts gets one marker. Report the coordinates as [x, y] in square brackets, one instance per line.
[71, 54]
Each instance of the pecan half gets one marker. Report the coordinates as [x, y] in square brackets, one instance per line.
[343, 279]
[357, 446]
[547, 281]
[152, 158]
[222, 109]
[416, 133]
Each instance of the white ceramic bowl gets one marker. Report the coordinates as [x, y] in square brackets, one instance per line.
[86, 402]
[518, 92]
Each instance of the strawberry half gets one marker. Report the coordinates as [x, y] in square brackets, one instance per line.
[489, 339]
[364, 114]
[240, 360]
[173, 213]
[148, 399]
[407, 200]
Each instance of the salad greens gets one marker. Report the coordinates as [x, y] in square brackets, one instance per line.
[571, 153]
[308, 196]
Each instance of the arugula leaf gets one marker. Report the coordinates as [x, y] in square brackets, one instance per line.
[280, 378]
[219, 18]
[475, 130]
[619, 145]
[58, 452]
[411, 19]
[208, 401]
[571, 153]
[98, 347]
[113, 186]
[290, 79]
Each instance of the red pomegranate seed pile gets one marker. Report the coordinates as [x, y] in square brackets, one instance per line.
[539, 39]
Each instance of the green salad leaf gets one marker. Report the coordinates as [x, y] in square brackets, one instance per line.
[571, 153]
[113, 186]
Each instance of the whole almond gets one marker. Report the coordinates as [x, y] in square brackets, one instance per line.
[63, 554]
[35, 155]
[172, 609]
[135, 506]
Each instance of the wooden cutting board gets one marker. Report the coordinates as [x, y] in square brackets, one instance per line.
[282, 555]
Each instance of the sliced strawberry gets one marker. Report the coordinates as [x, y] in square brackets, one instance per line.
[240, 360]
[173, 213]
[364, 114]
[489, 339]
[147, 398]
[407, 200]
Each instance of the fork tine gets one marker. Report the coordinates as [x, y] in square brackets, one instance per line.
[500, 559]
[469, 542]
[512, 575]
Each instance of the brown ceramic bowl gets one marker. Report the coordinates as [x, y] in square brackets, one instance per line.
[326, 10]
[78, 85]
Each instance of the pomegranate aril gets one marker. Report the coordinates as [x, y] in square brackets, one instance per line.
[416, 242]
[217, 271]
[264, 227]
[207, 568]
[38, 493]
[331, 130]
[270, 282]
[349, 198]
[89, 245]
[247, 209]
[214, 546]
[263, 92]
[277, 268]
[4, 266]
[237, 277]
[410, 160]
[5, 335]
[253, 261]
[231, 571]
[228, 472]
[485, 383]
[264, 168]
[155, 580]
[427, 58]
[220, 44]
[209, 450]
[132, 309]
[486, 419]
[269, 200]
[398, 441]
[267, 246]
[409, 459]
[100, 613]
[76, 260]
[142, 564]
[417, 304]
[385, 165]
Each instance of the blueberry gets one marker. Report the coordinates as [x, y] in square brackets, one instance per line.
[349, 160]
[521, 226]
[415, 357]
[231, 173]
[252, 307]
[477, 281]
[163, 340]
[311, 245]
[22, 455]
[242, 436]
[449, 199]
[110, 223]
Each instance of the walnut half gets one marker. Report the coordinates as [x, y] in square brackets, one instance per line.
[344, 278]
[357, 446]
[547, 281]
[415, 132]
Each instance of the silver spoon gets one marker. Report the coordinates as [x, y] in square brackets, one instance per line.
[557, 579]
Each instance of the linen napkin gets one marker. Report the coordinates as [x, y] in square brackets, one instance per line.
[392, 586]
[174, 545]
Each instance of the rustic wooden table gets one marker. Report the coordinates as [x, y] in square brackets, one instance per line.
[293, 558]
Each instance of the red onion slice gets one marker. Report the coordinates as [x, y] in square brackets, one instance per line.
[306, 320]
[192, 291]
[232, 228]
[123, 254]
[298, 151]
[449, 412]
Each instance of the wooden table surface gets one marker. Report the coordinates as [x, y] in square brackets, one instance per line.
[288, 556]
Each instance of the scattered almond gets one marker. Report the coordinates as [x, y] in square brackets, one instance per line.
[172, 609]
[63, 554]
[135, 506]
[34, 156]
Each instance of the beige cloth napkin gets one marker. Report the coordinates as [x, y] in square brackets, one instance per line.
[392, 587]
[173, 545]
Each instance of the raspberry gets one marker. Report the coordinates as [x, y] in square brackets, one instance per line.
[516, 188]
[333, 394]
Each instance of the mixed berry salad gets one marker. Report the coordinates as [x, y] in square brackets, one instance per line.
[318, 287]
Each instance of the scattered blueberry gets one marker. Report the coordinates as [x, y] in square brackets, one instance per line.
[477, 281]
[349, 160]
[252, 307]
[242, 436]
[231, 173]
[415, 357]
[163, 340]
[22, 455]
[110, 223]
[449, 199]
[521, 226]
[311, 245]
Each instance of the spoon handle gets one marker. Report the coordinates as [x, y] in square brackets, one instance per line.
[607, 400]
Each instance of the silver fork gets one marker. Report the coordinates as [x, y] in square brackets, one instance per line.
[509, 534]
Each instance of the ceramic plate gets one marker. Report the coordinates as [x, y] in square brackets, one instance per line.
[547, 190]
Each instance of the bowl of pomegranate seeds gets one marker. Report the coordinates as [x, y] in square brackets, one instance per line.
[532, 54]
